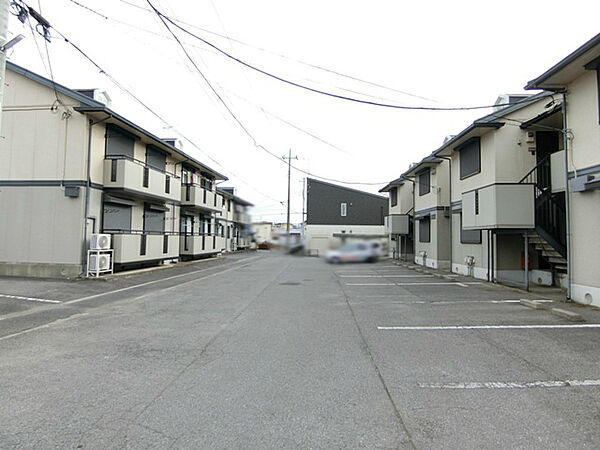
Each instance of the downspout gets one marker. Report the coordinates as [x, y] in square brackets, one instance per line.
[449, 204]
[567, 200]
[414, 214]
[88, 183]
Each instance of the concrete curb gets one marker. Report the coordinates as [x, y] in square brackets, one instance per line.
[569, 315]
[532, 304]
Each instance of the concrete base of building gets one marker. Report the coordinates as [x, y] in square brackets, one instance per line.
[40, 270]
[587, 295]
[433, 263]
[480, 273]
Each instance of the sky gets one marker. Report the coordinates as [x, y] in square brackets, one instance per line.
[241, 122]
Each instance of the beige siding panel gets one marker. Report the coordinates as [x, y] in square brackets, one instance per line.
[582, 119]
[43, 226]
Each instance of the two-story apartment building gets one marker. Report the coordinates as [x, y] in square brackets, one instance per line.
[576, 82]
[431, 211]
[70, 167]
[399, 221]
[502, 202]
[234, 220]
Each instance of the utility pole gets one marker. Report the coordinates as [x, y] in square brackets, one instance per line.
[4, 45]
[289, 160]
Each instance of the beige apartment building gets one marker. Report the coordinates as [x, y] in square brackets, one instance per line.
[72, 169]
[399, 221]
[575, 80]
[515, 219]
[431, 201]
[503, 203]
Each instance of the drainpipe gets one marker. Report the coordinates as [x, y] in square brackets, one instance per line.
[414, 214]
[567, 201]
[91, 123]
[449, 204]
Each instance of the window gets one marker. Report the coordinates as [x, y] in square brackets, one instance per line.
[119, 142]
[469, 236]
[424, 182]
[394, 196]
[154, 218]
[156, 158]
[343, 209]
[469, 158]
[425, 229]
[116, 217]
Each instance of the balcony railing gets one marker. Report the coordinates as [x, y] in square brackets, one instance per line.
[190, 245]
[140, 247]
[195, 196]
[136, 177]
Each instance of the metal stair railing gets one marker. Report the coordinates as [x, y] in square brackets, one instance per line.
[549, 213]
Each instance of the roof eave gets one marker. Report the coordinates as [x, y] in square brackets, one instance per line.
[156, 140]
[538, 83]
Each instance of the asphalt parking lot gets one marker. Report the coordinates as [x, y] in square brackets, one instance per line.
[264, 350]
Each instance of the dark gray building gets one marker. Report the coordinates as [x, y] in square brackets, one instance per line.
[329, 204]
[336, 214]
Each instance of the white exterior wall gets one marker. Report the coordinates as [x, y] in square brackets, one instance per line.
[319, 238]
[437, 249]
[584, 149]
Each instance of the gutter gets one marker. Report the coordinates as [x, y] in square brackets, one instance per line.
[449, 204]
[567, 200]
[88, 183]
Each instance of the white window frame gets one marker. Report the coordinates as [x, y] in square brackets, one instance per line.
[343, 209]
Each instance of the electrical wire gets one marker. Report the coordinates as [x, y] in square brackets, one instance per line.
[319, 91]
[155, 114]
[237, 120]
[280, 55]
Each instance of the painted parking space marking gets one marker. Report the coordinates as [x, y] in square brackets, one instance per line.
[29, 299]
[511, 385]
[385, 276]
[440, 283]
[489, 327]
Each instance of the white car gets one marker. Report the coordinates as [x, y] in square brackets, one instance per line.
[353, 252]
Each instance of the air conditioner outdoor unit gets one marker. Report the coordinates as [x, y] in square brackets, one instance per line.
[99, 262]
[99, 241]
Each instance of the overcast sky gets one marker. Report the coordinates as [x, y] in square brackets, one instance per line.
[428, 53]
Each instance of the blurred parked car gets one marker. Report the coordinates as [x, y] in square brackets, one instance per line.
[353, 252]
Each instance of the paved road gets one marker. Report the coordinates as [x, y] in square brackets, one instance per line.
[272, 351]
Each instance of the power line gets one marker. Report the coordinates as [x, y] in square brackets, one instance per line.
[145, 106]
[318, 91]
[237, 120]
[298, 61]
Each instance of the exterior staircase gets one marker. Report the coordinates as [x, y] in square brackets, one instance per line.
[549, 237]
[548, 252]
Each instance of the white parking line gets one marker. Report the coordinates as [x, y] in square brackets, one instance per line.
[491, 327]
[385, 276]
[441, 283]
[102, 294]
[511, 385]
[29, 299]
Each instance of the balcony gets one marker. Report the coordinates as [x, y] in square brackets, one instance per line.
[197, 245]
[132, 248]
[397, 224]
[138, 178]
[195, 196]
[499, 206]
